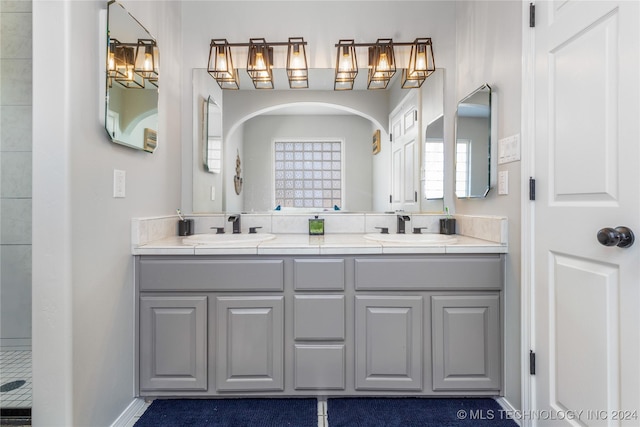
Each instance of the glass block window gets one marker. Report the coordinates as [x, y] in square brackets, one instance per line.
[434, 169]
[462, 168]
[308, 174]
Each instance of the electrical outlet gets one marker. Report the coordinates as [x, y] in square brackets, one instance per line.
[119, 182]
[213, 192]
[503, 183]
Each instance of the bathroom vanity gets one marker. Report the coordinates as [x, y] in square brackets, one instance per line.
[289, 318]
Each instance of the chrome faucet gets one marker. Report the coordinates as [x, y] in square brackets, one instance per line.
[235, 219]
[401, 220]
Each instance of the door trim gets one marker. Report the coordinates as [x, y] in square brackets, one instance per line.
[527, 213]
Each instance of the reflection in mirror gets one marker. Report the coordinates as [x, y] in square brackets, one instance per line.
[434, 160]
[302, 118]
[473, 144]
[131, 116]
[213, 134]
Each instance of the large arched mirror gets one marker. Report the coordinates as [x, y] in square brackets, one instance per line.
[131, 114]
[473, 144]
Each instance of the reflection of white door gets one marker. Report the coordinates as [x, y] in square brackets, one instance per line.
[405, 155]
[587, 296]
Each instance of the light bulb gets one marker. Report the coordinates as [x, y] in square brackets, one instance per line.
[148, 62]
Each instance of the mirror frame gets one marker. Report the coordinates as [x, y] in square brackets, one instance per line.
[484, 88]
[148, 135]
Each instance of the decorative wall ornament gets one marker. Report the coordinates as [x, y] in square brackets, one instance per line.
[237, 179]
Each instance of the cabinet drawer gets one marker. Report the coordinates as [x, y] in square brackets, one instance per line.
[318, 274]
[430, 273]
[319, 367]
[209, 274]
[319, 317]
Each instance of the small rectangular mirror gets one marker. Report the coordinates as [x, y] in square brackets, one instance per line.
[131, 114]
[473, 144]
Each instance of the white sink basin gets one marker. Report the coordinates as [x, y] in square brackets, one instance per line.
[420, 239]
[227, 239]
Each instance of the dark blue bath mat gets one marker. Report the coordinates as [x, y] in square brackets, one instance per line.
[416, 412]
[231, 413]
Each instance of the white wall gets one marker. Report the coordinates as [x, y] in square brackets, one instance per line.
[83, 317]
[261, 131]
[488, 50]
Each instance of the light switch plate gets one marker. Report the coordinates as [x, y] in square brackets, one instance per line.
[509, 149]
[503, 183]
[119, 182]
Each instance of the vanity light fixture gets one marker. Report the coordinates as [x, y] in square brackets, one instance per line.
[115, 62]
[127, 76]
[421, 64]
[132, 64]
[221, 64]
[297, 69]
[147, 56]
[346, 65]
[260, 62]
[382, 63]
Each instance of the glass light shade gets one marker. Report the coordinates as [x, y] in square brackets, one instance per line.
[382, 65]
[127, 76]
[147, 57]
[220, 60]
[260, 63]
[297, 70]
[409, 82]
[232, 82]
[115, 61]
[346, 65]
[421, 61]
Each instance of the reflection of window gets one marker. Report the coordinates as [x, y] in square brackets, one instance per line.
[462, 167]
[308, 174]
[214, 154]
[434, 169]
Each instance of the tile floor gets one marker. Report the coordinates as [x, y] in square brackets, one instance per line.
[15, 366]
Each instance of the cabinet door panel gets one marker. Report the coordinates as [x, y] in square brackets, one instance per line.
[250, 343]
[173, 343]
[466, 342]
[388, 343]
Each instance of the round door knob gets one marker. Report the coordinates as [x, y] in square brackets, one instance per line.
[621, 237]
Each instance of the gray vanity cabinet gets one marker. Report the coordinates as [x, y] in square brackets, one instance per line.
[466, 342]
[388, 342]
[349, 325]
[173, 342]
[250, 343]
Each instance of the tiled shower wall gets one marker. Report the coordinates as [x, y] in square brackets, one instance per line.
[15, 173]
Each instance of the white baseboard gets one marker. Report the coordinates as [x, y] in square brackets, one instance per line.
[509, 408]
[15, 344]
[128, 417]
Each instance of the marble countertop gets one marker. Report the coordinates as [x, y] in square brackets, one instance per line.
[330, 244]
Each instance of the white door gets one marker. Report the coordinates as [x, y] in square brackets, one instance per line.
[405, 155]
[586, 295]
